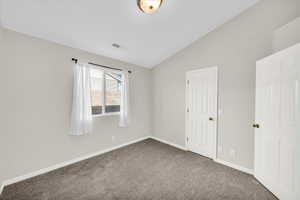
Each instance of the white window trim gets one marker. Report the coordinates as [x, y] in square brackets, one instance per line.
[104, 114]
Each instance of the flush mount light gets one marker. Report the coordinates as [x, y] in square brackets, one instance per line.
[149, 6]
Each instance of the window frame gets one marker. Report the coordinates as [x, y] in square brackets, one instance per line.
[104, 90]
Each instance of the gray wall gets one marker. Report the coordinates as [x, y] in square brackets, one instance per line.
[287, 36]
[2, 116]
[36, 96]
[234, 48]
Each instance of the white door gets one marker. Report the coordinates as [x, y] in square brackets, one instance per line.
[289, 110]
[201, 111]
[267, 117]
[277, 115]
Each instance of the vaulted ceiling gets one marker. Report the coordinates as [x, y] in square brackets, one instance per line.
[94, 25]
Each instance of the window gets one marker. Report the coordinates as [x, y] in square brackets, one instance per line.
[105, 92]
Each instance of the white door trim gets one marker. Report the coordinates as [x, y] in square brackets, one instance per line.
[215, 152]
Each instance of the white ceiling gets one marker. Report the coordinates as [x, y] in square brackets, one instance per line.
[93, 25]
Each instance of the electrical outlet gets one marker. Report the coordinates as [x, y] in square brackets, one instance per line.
[232, 153]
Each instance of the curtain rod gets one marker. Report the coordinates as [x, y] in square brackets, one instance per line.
[103, 66]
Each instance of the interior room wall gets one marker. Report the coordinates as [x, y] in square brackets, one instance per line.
[1, 32]
[286, 36]
[234, 48]
[36, 96]
[2, 107]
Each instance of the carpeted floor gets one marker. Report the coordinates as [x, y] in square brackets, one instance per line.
[147, 170]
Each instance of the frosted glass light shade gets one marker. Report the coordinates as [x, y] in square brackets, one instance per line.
[149, 6]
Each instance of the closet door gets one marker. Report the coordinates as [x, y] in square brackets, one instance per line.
[267, 134]
[289, 117]
[277, 123]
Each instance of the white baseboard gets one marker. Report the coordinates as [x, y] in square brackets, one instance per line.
[234, 166]
[168, 143]
[64, 164]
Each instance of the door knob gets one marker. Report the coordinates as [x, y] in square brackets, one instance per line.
[211, 119]
[256, 126]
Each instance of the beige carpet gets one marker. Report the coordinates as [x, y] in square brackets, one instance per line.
[148, 170]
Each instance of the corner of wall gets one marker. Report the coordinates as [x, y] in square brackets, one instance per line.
[152, 129]
[1, 54]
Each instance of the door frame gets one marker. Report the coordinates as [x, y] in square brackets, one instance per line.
[215, 139]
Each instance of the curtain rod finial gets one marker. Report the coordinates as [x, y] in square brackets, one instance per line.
[75, 60]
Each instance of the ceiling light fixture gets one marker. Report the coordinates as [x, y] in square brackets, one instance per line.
[149, 6]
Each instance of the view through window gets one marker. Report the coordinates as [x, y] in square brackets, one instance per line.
[105, 92]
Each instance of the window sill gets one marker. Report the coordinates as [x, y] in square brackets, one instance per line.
[106, 114]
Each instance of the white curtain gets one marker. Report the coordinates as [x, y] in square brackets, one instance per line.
[125, 107]
[81, 119]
